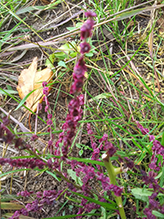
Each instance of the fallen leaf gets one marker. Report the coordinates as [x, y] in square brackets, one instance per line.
[31, 80]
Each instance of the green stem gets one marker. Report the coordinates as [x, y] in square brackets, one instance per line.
[112, 172]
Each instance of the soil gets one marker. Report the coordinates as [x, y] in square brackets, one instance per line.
[29, 180]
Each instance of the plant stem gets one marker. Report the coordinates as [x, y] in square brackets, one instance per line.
[112, 172]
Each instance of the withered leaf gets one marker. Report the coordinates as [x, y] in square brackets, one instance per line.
[30, 79]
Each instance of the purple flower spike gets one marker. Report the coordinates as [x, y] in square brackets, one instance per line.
[45, 91]
[49, 116]
[50, 143]
[86, 29]
[76, 87]
[6, 121]
[148, 213]
[49, 122]
[111, 149]
[34, 137]
[143, 130]
[90, 14]
[44, 84]
[81, 63]
[75, 106]
[78, 73]
[85, 47]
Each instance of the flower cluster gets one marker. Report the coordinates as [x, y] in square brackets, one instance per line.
[5, 134]
[78, 75]
[91, 175]
[49, 115]
[104, 144]
[75, 105]
[45, 92]
[86, 29]
[80, 67]
[153, 205]
[86, 207]
[110, 150]
[149, 178]
[69, 127]
[25, 162]
[157, 150]
[46, 197]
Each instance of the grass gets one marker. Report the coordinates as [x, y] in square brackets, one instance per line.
[124, 81]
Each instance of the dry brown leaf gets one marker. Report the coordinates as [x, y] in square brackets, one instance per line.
[30, 79]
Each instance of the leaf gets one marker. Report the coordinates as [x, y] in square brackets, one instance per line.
[54, 175]
[8, 91]
[162, 140]
[60, 55]
[7, 198]
[50, 61]
[11, 206]
[30, 83]
[103, 204]
[158, 214]
[100, 96]
[78, 25]
[29, 9]
[87, 160]
[141, 194]
[62, 64]
[73, 175]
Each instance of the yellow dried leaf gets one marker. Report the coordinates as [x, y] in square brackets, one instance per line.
[30, 79]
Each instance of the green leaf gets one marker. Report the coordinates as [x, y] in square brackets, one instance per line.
[89, 54]
[162, 140]
[103, 210]
[54, 175]
[78, 25]
[103, 204]
[7, 198]
[73, 54]
[162, 177]
[81, 152]
[11, 206]
[13, 171]
[121, 153]
[87, 160]
[157, 214]
[30, 8]
[133, 12]
[4, 92]
[61, 55]
[24, 100]
[141, 194]
[71, 28]
[62, 64]
[50, 61]
[72, 174]
[66, 48]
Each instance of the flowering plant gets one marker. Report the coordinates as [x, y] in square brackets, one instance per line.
[105, 171]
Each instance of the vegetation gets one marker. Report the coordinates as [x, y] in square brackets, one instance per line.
[106, 143]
